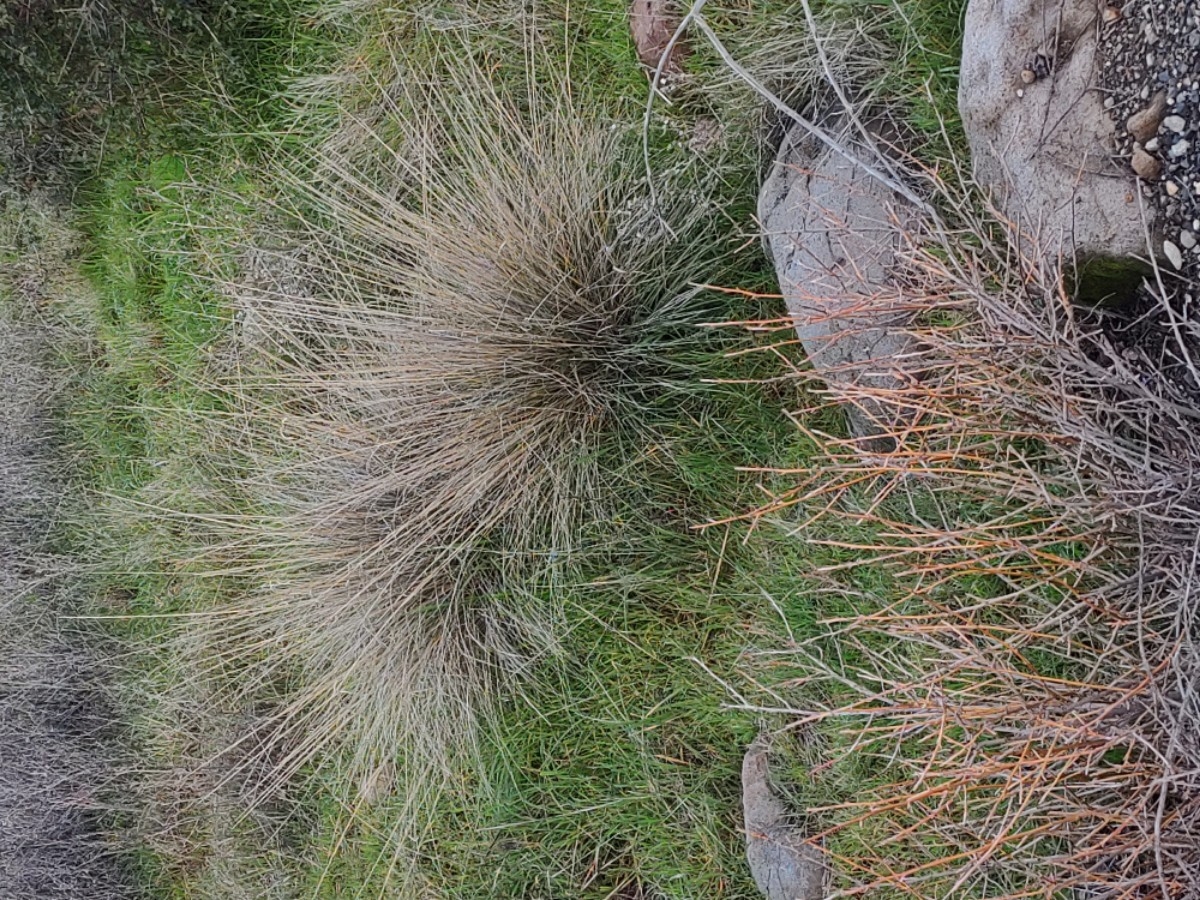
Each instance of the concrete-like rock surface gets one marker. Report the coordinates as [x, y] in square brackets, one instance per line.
[833, 231]
[1041, 140]
[784, 865]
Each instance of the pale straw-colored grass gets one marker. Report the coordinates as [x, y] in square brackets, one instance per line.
[424, 397]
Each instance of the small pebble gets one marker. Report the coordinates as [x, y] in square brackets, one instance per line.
[1145, 166]
[1187, 239]
[1173, 254]
[1144, 123]
[1175, 124]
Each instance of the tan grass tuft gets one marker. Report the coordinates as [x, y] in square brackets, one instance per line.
[423, 396]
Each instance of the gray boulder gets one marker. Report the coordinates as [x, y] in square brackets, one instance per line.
[1041, 140]
[834, 232]
[784, 865]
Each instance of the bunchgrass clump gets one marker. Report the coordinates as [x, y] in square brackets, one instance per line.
[427, 397]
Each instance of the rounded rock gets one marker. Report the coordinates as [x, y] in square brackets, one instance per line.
[1145, 166]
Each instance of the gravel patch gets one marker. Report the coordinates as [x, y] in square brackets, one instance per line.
[1151, 76]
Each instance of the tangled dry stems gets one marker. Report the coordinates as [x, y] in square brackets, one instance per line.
[1031, 691]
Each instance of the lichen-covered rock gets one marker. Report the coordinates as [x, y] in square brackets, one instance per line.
[1041, 140]
[833, 231]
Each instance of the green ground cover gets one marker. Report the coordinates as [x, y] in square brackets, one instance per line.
[612, 770]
